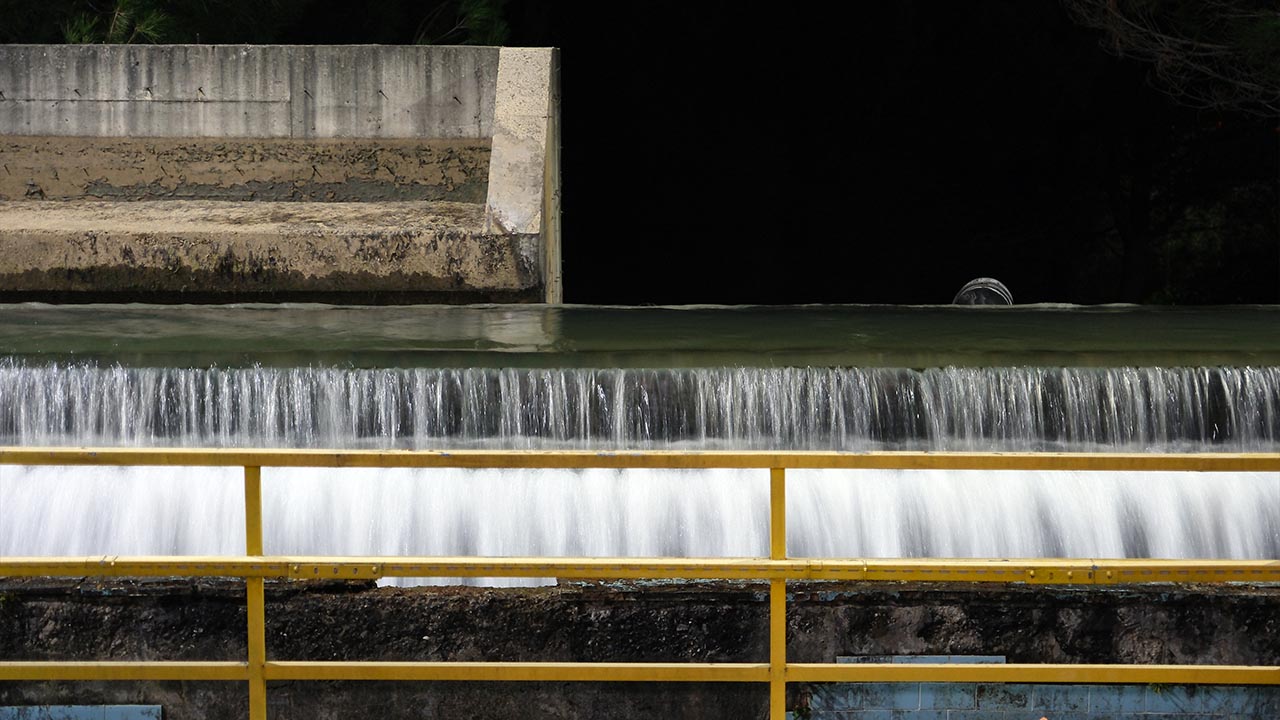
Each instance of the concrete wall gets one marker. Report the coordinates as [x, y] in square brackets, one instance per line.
[524, 170]
[279, 124]
[263, 91]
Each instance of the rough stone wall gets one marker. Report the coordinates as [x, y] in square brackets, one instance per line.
[242, 169]
[595, 622]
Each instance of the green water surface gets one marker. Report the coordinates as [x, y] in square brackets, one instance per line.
[593, 336]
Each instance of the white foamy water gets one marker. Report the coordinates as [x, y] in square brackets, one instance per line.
[594, 513]
[156, 511]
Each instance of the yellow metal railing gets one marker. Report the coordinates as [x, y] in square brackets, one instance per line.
[254, 567]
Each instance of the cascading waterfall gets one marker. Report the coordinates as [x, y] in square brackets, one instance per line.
[603, 512]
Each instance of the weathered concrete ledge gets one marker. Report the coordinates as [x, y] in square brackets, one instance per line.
[172, 247]
[252, 124]
[712, 622]
[242, 169]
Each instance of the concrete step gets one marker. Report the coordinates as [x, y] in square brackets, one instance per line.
[231, 249]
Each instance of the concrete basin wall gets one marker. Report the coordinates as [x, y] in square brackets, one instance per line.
[171, 619]
[274, 91]
[278, 124]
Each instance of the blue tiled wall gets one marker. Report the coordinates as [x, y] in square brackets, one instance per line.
[1020, 701]
[1014, 701]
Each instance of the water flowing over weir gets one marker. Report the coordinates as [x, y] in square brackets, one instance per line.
[854, 409]
[603, 512]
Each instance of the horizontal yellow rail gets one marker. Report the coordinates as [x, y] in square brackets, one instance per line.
[521, 671]
[577, 459]
[1028, 571]
[777, 569]
[63, 670]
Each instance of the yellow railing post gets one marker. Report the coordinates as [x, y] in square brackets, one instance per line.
[777, 514]
[777, 595]
[253, 511]
[256, 602]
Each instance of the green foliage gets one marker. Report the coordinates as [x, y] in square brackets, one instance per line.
[467, 22]
[484, 22]
[125, 22]
[82, 29]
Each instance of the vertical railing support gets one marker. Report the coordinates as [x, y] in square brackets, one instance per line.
[777, 596]
[256, 602]
[777, 514]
